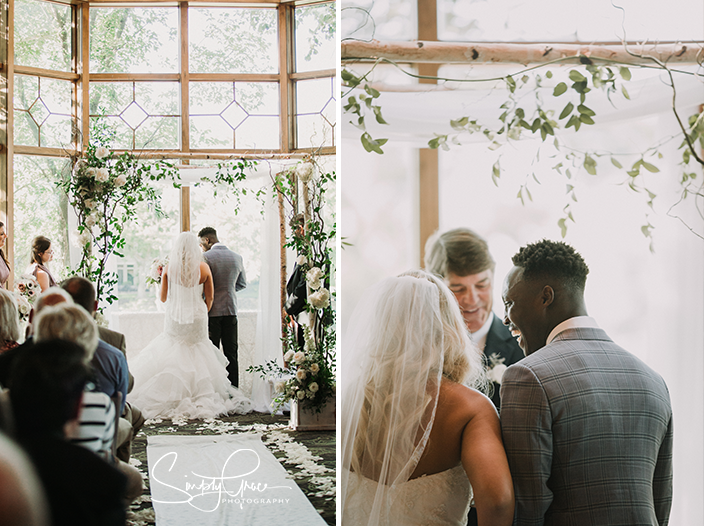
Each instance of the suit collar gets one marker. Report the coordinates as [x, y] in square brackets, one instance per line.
[582, 333]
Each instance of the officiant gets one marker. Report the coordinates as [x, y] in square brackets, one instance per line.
[462, 258]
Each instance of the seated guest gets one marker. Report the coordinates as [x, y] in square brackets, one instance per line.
[51, 296]
[83, 294]
[9, 321]
[96, 423]
[46, 390]
[96, 429]
[22, 500]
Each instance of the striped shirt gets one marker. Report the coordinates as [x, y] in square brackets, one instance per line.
[96, 428]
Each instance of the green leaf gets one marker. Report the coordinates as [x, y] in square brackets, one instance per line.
[586, 119]
[589, 164]
[563, 227]
[650, 167]
[569, 188]
[625, 73]
[625, 93]
[566, 111]
[585, 111]
[576, 76]
[530, 197]
[520, 113]
[374, 93]
[568, 173]
[496, 173]
[372, 145]
[646, 230]
[536, 124]
[377, 114]
[520, 196]
[459, 124]
[548, 74]
[616, 163]
[559, 89]
[511, 83]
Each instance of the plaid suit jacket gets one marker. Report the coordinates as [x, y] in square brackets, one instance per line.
[587, 428]
[228, 277]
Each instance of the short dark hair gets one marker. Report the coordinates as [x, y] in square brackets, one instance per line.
[555, 259]
[82, 292]
[461, 251]
[46, 385]
[209, 233]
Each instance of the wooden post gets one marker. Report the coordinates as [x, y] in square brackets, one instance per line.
[428, 158]
[286, 90]
[7, 81]
[84, 71]
[282, 258]
[185, 200]
[185, 208]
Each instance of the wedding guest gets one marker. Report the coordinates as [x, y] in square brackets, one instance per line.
[587, 426]
[52, 296]
[131, 421]
[96, 420]
[9, 321]
[462, 258]
[22, 500]
[4, 263]
[46, 392]
[42, 254]
[296, 290]
[417, 444]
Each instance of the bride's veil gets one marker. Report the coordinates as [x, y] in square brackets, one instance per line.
[183, 275]
[404, 334]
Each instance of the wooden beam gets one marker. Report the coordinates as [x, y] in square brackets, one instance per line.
[184, 76]
[286, 91]
[7, 86]
[311, 75]
[84, 71]
[428, 31]
[487, 52]
[185, 208]
[429, 197]
[49, 73]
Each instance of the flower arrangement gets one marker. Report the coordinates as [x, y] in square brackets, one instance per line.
[308, 374]
[26, 291]
[497, 368]
[156, 270]
[104, 189]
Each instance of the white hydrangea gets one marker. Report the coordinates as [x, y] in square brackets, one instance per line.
[313, 277]
[320, 299]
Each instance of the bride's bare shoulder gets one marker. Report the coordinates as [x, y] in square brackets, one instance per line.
[464, 400]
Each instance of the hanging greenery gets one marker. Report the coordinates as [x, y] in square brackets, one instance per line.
[535, 116]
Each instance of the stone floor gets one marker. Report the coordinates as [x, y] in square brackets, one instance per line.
[308, 456]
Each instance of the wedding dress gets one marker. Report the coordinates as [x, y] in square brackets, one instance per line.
[403, 339]
[181, 374]
[440, 499]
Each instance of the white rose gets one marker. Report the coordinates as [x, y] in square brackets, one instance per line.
[92, 172]
[83, 238]
[301, 374]
[299, 357]
[496, 373]
[313, 278]
[91, 220]
[301, 260]
[78, 167]
[314, 368]
[103, 175]
[304, 171]
[102, 152]
[121, 180]
[90, 204]
[320, 299]
[301, 395]
[288, 356]
[313, 387]
[279, 386]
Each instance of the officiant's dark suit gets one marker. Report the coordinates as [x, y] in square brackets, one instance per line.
[587, 426]
[228, 278]
[500, 343]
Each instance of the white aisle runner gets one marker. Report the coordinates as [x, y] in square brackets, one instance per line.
[223, 480]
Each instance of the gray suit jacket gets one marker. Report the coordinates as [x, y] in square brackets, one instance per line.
[228, 277]
[587, 428]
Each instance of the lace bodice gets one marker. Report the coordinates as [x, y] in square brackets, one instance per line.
[191, 306]
[440, 499]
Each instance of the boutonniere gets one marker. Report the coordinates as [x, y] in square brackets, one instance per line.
[496, 369]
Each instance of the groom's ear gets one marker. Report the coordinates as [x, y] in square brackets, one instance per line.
[547, 296]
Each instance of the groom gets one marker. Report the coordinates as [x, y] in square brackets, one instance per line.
[228, 277]
[587, 426]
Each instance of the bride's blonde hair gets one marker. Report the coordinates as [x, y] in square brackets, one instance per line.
[417, 335]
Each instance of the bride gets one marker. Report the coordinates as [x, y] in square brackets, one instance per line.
[414, 437]
[181, 373]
